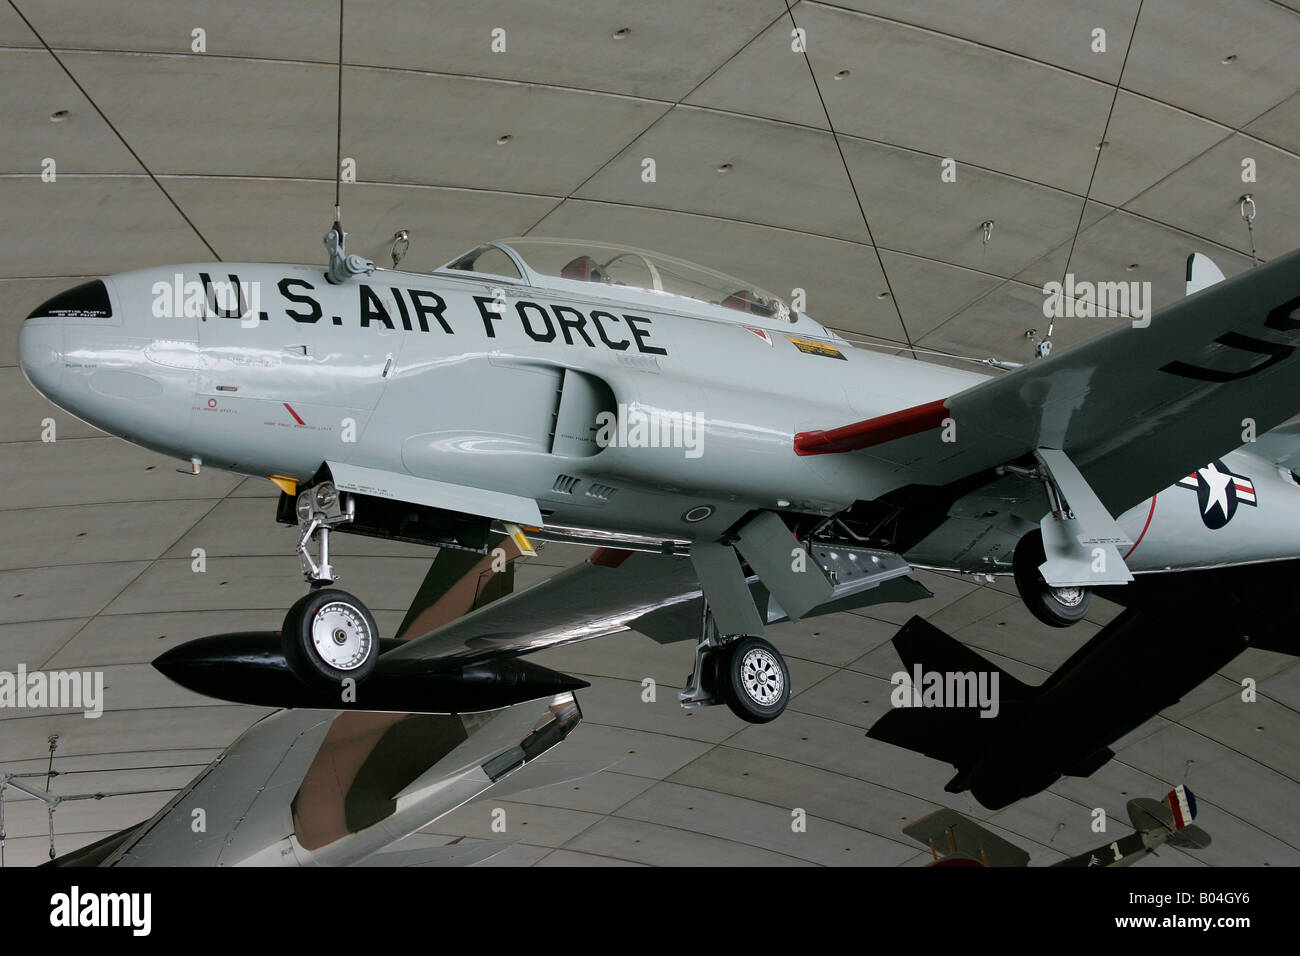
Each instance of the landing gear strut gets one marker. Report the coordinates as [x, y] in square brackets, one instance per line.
[746, 673]
[328, 636]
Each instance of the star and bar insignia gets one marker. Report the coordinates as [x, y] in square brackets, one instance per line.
[1219, 492]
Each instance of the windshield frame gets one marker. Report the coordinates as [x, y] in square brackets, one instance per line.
[690, 274]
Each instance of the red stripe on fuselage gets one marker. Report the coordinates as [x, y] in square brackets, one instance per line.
[1150, 515]
[294, 414]
[874, 431]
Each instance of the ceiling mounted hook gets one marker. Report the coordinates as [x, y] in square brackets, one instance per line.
[401, 243]
[1248, 215]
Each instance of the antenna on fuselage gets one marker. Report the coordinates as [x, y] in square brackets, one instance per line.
[342, 266]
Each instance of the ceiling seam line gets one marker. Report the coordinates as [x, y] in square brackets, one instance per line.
[1224, 128]
[812, 74]
[143, 571]
[705, 789]
[968, 41]
[1101, 146]
[1111, 210]
[655, 122]
[507, 81]
[740, 842]
[116, 131]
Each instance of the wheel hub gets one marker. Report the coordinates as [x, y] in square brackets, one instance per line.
[1070, 597]
[760, 675]
[341, 636]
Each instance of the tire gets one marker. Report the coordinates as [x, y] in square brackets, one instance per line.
[1056, 607]
[329, 636]
[754, 680]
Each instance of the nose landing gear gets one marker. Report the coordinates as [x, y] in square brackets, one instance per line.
[328, 635]
[746, 673]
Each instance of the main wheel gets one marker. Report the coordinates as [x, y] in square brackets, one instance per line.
[1058, 607]
[754, 680]
[328, 637]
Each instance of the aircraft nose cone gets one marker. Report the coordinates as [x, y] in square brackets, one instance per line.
[40, 353]
[41, 342]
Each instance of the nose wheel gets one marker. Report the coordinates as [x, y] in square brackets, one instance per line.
[329, 636]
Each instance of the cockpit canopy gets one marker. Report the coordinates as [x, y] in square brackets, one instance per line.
[555, 263]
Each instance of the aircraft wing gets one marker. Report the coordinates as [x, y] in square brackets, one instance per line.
[322, 785]
[1135, 409]
[951, 834]
[453, 854]
[612, 591]
[326, 787]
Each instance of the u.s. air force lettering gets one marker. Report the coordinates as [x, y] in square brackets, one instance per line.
[422, 310]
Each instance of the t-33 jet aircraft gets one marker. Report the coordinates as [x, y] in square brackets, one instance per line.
[591, 393]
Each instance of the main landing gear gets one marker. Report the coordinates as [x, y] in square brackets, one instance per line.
[1057, 607]
[746, 673]
[328, 636]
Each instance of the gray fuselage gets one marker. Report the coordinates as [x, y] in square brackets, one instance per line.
[482, 383]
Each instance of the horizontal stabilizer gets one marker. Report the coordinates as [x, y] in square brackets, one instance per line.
[1151, 816]
[1170, 819]
[1190, 838]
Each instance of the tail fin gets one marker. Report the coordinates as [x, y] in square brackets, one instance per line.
[458, 582]
[1201, 273]
[1173, 816]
